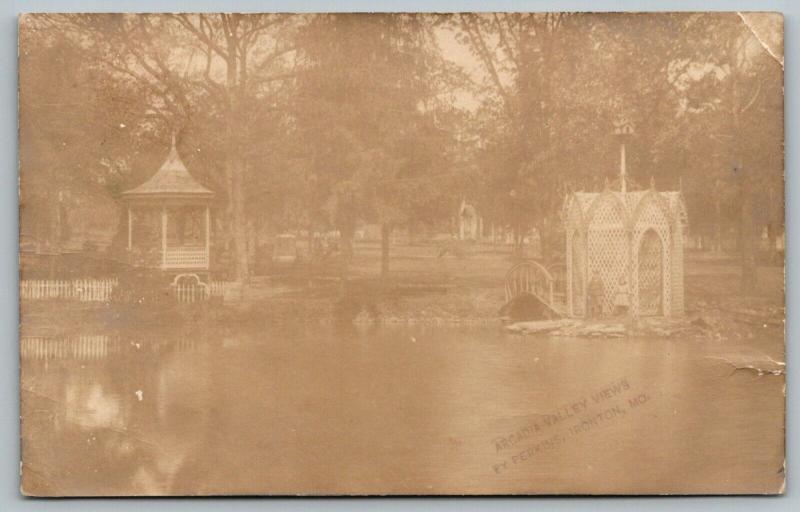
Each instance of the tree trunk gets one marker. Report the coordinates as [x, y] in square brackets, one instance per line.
[386, 234]
[547, 240]
[238, 221]
[519, 239]
[747, 243]
[235, 165]
[717, 247]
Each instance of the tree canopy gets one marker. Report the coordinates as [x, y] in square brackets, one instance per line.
[330, 121]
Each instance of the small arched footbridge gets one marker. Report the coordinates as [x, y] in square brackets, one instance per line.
[530, 278]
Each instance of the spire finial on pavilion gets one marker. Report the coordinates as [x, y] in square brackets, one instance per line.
[652, 182]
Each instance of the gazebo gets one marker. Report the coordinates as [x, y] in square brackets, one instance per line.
[635, 235]
[172, 199]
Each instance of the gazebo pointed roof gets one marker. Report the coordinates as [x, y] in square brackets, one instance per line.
[172, 181]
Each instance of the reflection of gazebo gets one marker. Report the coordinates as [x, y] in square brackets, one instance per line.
[185, 218]
[632, 235]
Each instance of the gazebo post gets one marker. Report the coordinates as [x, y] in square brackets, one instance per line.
[208, 232]
[163, 237]
[130, 228]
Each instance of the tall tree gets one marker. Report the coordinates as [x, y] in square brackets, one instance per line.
[368, 104]
[224, 70]
[730, 99]
[80, 133]
[520, 55]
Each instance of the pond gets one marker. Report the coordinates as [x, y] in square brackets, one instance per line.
[320, 410]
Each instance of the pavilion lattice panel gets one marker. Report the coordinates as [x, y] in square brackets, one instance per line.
[607, 248]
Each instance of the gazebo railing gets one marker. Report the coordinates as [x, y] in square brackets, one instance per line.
[185, 258]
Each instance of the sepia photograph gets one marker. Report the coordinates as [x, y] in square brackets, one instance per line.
[401, 254]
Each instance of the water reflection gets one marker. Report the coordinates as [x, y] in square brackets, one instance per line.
[389, 410]
[90, 347]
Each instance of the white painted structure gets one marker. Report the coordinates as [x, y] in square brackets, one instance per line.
[173, 191]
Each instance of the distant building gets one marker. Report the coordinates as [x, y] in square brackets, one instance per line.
[470, 224]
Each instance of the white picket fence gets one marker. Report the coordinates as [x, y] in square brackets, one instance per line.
[191, 292]
[99, 290]
[219, 288]
[86, 290]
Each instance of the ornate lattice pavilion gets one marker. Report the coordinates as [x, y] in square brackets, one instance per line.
[181, 205]
[634, 235]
